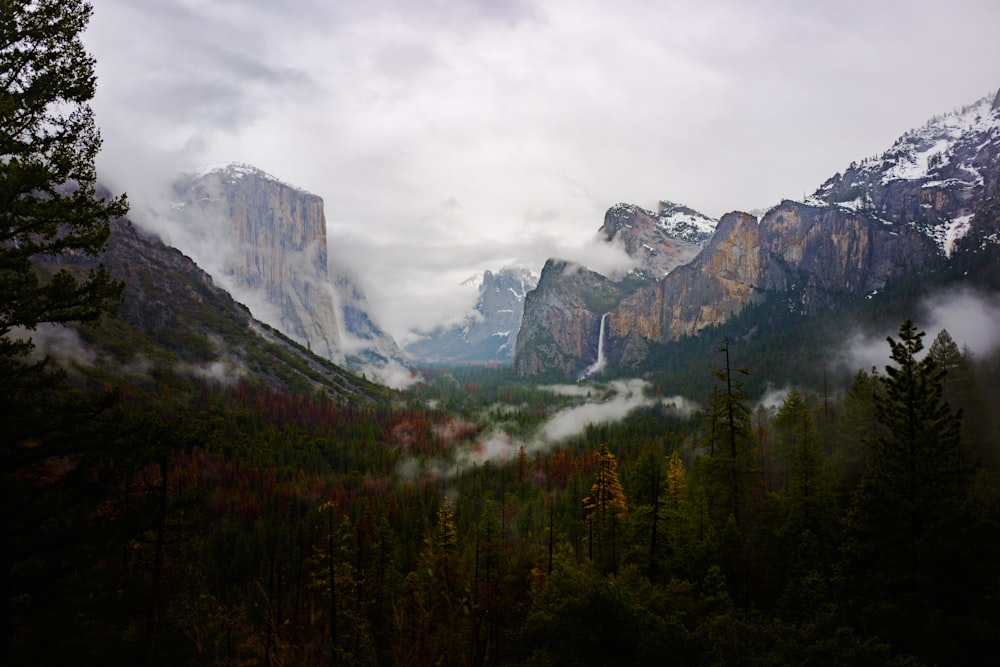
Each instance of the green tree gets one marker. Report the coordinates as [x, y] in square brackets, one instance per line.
[802, 534]
[961, 389]
[808, 490]
[858, 428]
[730, 440]
[48, 140]
[900, 564]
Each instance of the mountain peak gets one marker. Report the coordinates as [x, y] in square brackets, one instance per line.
[234, 171]
[930, 178]
[661, 240]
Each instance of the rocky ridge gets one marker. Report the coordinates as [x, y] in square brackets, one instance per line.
[932, 195]
[175, 320]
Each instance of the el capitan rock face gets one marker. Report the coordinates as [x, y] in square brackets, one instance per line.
[275, 259]
[912, 209]
[267, 245]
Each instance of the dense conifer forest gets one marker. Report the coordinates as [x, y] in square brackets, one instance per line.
[223, 525]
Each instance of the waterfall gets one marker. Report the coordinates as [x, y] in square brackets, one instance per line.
[602, 360]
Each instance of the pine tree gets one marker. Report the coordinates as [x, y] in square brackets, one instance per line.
[606, 505]
[808, 490]
[898, 561]
[47, 178]
[730, 464]
[48, 140]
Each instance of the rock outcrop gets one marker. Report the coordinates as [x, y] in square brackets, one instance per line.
[175, 319]
[274, 259]
[562, 332]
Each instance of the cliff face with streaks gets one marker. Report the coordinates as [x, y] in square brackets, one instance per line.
[265, 241]
[562, 333]
[928, 202]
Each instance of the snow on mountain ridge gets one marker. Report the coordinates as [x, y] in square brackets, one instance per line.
[676, 220]
[237, 170]
[685, 223]
[928, 177]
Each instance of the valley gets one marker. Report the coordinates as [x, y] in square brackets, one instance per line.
[764, 439]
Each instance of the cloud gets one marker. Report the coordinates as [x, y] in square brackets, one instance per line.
[626, 396]
[971, 317]
[606, 403]
[533, 117]
[61, 342]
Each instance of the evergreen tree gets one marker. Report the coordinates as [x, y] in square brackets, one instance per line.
[48, 179]
[898, 559]
[804, 530]
[859, 429]
[962, 391]
[731, 443]
[606, 506]
[48, 140]
[808, 490]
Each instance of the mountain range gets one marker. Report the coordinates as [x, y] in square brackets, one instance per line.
[248, 285]
[927, 204]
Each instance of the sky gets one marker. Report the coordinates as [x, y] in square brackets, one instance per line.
[448, 137]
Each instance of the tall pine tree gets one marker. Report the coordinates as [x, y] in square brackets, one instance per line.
[899, 560]
[48, 140]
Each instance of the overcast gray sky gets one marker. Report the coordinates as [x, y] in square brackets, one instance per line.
[452, 136]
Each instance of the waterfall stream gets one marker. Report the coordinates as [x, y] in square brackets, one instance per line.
[602, 360]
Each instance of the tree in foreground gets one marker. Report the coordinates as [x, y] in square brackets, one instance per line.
[605, 507]
[904, 557]
[48, 143]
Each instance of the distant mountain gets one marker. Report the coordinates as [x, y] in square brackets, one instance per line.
[930, 202]
[176, 323]
[488, 333]
[265, 241]
[660, 241]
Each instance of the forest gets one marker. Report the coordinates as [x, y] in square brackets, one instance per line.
[177, 520]
[227, 525]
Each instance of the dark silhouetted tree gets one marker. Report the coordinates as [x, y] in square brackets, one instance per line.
[48, 143]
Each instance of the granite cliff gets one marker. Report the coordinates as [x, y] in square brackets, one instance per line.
[265, 241]
[931, 198]
[175, 321]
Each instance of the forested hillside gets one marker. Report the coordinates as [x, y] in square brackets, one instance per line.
[246, 526]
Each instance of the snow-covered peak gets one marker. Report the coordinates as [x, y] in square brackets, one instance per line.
[929, 178]
[674, 220]
[685, 223]
[919, 153]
